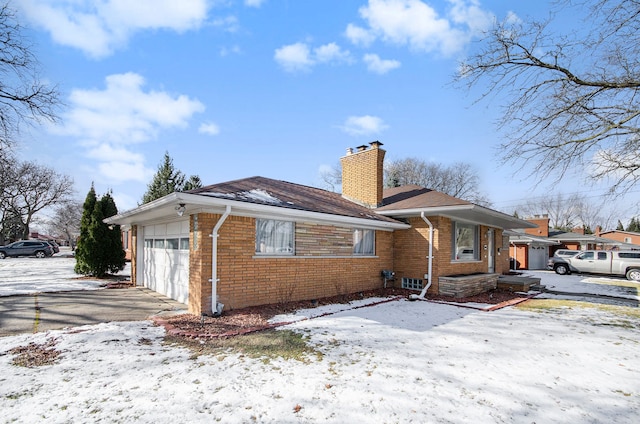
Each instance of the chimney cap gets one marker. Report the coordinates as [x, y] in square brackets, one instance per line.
[375, 144]
[362, 148]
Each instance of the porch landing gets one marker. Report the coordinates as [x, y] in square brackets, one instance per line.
[467, 285]
[517, 283]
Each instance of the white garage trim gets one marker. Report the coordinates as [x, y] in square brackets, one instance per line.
[166, 259]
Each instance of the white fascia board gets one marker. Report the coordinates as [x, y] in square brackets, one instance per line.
[465, 213]
[197, 203]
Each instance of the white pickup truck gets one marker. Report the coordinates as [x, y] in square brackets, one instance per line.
[610, 262]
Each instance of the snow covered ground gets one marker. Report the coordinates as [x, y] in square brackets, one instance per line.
[396, 362]
[54, 274]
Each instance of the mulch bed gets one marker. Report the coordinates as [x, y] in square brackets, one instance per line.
[247, 320]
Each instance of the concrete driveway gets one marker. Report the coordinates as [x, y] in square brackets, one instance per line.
[49, 311]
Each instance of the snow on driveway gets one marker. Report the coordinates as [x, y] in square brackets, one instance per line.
[576, 284]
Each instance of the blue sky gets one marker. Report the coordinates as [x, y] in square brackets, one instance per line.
[276, 88]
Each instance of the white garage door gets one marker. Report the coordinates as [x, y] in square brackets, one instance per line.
[538, 257]
[166, 259]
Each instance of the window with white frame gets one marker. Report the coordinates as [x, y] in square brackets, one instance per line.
[465, 242]
[364, 242]
[274, 237]
[627, 239]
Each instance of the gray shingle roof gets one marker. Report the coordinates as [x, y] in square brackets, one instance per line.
[266, 191]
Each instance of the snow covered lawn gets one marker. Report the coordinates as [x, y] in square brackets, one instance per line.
[54, 274]
[394, 362]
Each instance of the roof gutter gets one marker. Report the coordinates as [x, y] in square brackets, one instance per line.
[255, 210]
[216, 308]
[423, 293]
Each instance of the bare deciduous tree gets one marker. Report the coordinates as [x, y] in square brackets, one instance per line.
[30, 188]
[567, 212]
[331, 178]
[66, 221]
[23, 96]
[573, 99]
[458, 180]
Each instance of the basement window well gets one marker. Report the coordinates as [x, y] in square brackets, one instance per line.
[411, 283]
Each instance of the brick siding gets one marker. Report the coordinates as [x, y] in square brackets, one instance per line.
[247, 279]
[362, 173]
[411, 248]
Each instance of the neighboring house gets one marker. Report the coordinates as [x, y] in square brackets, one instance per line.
[530, 252]
[531, 248]
[626, 237]
[257, 241]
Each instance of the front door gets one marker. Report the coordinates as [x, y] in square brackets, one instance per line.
[490, 250]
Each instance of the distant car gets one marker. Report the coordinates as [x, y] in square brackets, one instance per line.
[53, 245]
[558, 263]
[39, 249]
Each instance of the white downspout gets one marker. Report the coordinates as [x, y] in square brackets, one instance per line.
[423, 293]
[216, 308]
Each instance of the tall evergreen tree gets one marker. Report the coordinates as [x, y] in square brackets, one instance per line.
[85, 245]
[634, 225]
[113, 251]
[193, 182]
[620, 227]
[99, 248]
[168, 180]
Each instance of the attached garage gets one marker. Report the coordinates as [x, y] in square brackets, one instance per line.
[166, 259]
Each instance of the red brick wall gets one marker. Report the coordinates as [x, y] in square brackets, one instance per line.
[543, 227]
[635, 239]
[247, 279]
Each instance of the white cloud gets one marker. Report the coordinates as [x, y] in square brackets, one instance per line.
[118, 164]
[363, 125]
[379, 66]
[228, 23]
[107, 121]
[253, 3]
[331, 53]
[294, 57]
[226, 51]
[98, 28]
[300, 57]
[359, 36]
[209, 128]
[416, 24]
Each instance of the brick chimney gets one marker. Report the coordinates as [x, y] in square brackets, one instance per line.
[542, 221]
[362, 174]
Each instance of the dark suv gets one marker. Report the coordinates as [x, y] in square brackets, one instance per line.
[39, 249]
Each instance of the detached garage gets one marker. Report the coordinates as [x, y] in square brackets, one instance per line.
[166, 259]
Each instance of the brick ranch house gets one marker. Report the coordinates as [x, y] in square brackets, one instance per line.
[258, 241]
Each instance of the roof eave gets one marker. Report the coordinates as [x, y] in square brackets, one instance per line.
[469, 213]
[164, 208]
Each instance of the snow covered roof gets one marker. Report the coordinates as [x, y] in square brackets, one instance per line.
[261, 197]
